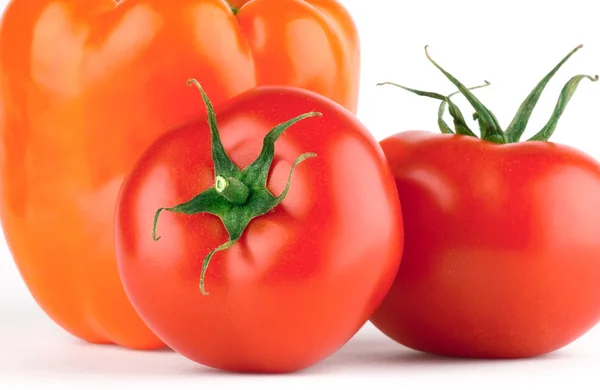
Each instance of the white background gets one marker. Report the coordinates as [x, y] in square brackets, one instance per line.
[510, 43]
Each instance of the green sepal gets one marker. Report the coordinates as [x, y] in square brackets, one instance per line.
[517, 126]
[209, 201]
[223, 165]
[565, 95]
[441, 123]
[459, 121]
[256, 173]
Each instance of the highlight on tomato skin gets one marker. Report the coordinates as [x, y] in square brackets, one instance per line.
[263, 235]
[501, 256]
[88, 85]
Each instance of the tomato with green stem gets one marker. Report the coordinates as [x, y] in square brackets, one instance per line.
[268, 250]
[502, 256]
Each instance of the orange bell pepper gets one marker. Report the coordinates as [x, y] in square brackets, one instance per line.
[87, 85]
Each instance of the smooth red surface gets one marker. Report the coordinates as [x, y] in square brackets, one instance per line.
[303, 278]
[86, 86]
[502, 253]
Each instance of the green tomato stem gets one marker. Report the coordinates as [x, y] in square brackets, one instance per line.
[232, 189]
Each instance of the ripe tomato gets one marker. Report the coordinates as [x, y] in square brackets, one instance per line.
[87, 85]
[291, 282]
[502, 256]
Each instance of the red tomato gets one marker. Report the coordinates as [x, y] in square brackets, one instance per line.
[303, 276]
[502, 254]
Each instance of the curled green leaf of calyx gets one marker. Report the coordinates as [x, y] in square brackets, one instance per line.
[285, 191]
[488, 124]
[255, 173]
[238, 196]
[459, 121]
[565, 95]
[441, 123]
[516, 128]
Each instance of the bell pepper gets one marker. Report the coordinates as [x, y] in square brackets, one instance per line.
[87, 85]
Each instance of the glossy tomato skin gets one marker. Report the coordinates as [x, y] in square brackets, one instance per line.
[87, 86]
[502, 257]
[303, 278]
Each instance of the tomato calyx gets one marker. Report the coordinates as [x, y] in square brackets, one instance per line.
[489, 127]
[239, 195]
